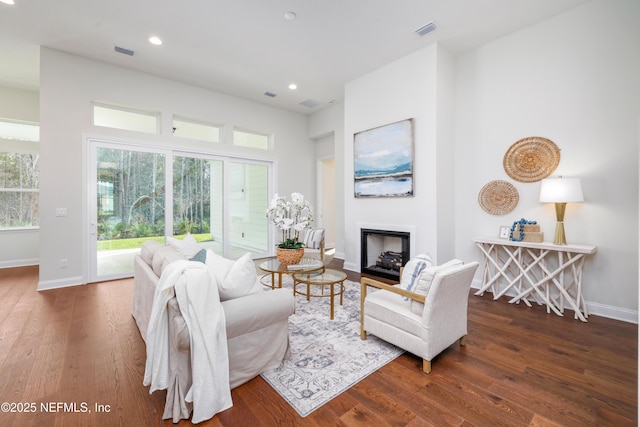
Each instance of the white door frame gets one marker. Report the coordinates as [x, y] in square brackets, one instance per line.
[320, 191]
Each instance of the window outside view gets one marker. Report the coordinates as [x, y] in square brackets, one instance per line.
[19, 175]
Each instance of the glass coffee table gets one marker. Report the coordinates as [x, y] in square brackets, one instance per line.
[326, 277]
[272, 267]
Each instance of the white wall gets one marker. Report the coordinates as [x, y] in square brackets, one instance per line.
[444, 157]
[18, 247]
[324, 125]
[574, 79]
[68, 85]
[18, 104]
[407, 88]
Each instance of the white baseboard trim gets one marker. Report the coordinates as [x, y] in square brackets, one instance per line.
[60, 283]
[351, 266]
[594, 308]
[617, 313]
[19, 263]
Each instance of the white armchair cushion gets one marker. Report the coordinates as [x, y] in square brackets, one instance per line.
[412, 270]
[389, 308]
[425, 280]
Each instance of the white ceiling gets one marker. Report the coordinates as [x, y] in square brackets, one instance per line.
[247, 47]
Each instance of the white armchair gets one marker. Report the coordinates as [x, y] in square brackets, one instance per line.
[424, 322]
[314, 246]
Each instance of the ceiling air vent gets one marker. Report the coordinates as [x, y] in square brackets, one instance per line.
[270, 94]
[310, 103]
[425, 29]
[123, 50]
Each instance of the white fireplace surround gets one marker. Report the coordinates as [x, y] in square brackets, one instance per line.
[411, 229]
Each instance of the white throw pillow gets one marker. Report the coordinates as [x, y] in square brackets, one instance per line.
[426, 279]
[235, 278]
[164, 256]
[187, 246]
[412, 270]
[218, 265]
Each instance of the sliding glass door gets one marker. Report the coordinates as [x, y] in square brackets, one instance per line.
[198, 207]
[248, 200]
[142, 193]
[129, 207]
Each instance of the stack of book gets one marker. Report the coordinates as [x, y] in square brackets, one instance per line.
[532, 233]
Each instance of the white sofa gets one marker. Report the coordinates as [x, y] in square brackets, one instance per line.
[256, 326]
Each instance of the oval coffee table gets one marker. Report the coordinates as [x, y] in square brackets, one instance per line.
[272, 266]
[321, 278]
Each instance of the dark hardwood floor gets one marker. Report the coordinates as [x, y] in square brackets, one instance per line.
[74, 357]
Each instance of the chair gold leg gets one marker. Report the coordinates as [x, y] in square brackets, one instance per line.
[426, 366]
[363, 295]
[463, 340]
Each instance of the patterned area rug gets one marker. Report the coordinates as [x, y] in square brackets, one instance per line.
[327, 356]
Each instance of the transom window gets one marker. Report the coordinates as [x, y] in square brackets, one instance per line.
[125, 118]
[245, 138]
[192, 129]
[19, 131]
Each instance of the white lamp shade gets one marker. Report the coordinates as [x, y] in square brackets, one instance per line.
[561, 190]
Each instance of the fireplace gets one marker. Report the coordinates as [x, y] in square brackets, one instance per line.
[383, 252]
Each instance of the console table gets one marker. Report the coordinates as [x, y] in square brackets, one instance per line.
[541, 272]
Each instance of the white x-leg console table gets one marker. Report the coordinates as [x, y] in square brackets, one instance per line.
[541, 272]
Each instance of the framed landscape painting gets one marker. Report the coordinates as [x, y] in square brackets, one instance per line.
[383, 161]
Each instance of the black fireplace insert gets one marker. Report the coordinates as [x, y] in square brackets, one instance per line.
[383, 252]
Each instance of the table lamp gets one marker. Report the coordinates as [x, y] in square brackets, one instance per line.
[560, 191]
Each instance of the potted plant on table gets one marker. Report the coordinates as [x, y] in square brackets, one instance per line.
[291, 217]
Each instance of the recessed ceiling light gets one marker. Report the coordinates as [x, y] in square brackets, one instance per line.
[155, 40]
[8, 1]
[293, 86]
[290, 16]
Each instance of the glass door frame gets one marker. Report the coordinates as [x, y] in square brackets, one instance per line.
[94, 143]
[270, 165]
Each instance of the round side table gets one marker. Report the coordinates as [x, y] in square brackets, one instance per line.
[272, 267]
[328, 277]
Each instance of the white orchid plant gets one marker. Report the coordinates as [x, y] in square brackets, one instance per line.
[291, 217]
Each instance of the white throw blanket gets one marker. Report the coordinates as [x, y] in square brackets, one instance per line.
[197, 295]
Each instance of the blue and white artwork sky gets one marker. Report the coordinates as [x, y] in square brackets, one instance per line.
[384, 150]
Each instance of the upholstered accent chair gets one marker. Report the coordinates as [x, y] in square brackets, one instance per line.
[314, 245]
[424, 321]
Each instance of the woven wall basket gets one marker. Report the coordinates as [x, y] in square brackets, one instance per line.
[498, 197]
[531, 159]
